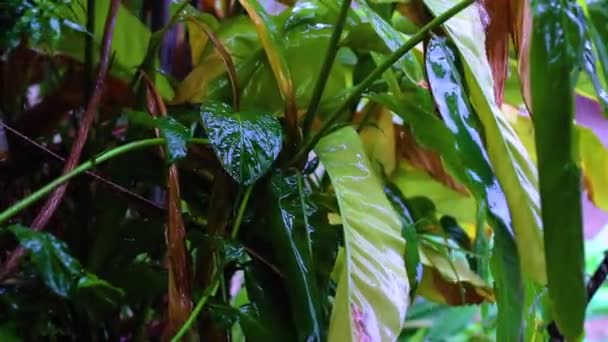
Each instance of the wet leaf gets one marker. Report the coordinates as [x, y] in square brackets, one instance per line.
[289, 233]
[272, 41]
[512, 165]
[556, 50]
[246, 143]
[448, 279]
[392, 38]
[373, 244]
[175, 133]
[453, 105]
[269, 302]
[58, 269]
[62, 273]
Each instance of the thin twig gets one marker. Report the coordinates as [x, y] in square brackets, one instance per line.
[49, 208]
[119, 188]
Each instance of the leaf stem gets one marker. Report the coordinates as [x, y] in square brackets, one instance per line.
[212, 289]
[380, 69]
[241, 212]
[330, 56]
[115, 152]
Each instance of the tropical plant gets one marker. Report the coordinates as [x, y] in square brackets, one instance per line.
[299, 170]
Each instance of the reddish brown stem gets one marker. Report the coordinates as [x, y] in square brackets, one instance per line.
[51, 205]
[180, 303]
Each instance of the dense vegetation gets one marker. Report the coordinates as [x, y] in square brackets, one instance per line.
[353, 170]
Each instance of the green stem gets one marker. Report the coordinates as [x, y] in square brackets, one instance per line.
[213, 287]
[380, 69]
[241, 212]
[211, 290]
[330, 56]
[36, 196]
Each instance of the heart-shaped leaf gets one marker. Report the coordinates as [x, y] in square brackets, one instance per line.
[246, 143]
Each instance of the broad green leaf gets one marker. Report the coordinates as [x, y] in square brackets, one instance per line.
[447, 278]
[371, 299]
[270, 37]
[511, 164]
[288, 214]
[452, 103]
[392, 38]
[305, 47]
[58, 269]
[269, 304]
[173, 131]
[129, 42]
[246, 143]
[556, 50]
[61, 272]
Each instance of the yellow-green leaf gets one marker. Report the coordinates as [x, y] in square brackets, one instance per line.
[448, 279]
[372, 296]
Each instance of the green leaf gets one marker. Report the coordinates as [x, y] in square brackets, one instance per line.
[511, 164]
[97, 295]
[246, 143]
[371, 299]
[272, 41]
[268, 302]
[448, 90]
[392, 38]
[173, 131]
[556, 49]
[51, 258]
[289, 234]
[129, 43]
[61, 272]
[447, 277]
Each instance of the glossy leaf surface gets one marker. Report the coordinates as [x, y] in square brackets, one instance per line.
[556, 49]
[448, 90]
[371, 299]
[61, 272]
[175, 133]
[246, 143]
[511, 164]
[289, 232]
